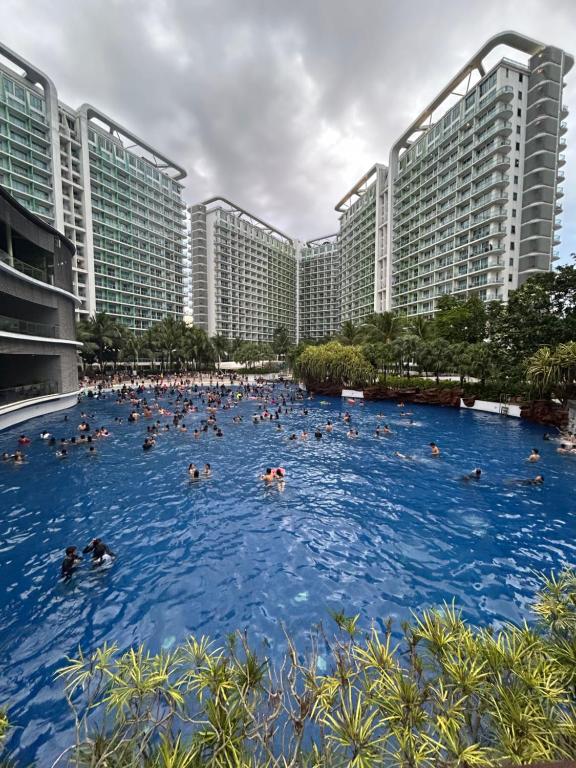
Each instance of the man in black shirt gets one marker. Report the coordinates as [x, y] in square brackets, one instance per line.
[69, 563]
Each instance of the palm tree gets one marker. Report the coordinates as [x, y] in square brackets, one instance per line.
[434, 357]
[384, 327]
[105, 333]
[349, 333]
[404, 349]
[134, 345]
[89, 347]
[480, 361]
[421, 327]
[542, 370]
[168, 336]
[197, 347]
[220, 346]
[281, 340]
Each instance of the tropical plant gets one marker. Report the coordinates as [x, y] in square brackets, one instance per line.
[251, 352]
[421, 327]
[334, 364]
[381, 328]
[281, 340]
[349, 333]
[553, 370]
[435, 693]
[197, 347]
[102, 336]
[134, 346]
[221, 347]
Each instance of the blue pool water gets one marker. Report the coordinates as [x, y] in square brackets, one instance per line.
[356, 529]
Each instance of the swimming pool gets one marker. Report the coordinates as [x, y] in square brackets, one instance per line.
[356, 529]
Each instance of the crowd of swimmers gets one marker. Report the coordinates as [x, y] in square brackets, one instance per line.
[273, 403]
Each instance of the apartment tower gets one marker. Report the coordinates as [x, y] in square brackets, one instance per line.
[116, 198]
[244, 273]
[475, 194]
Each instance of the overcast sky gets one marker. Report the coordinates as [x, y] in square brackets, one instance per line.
[279, 105]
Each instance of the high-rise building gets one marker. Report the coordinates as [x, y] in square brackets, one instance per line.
[244, 273]
[319, 275]
[363, 210]
[114, 196]
[474, 194]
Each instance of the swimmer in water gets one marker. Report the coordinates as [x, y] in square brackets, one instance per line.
[98, 550]
[434, 449]
[280, 481]
[534, 455]
[386, 430]
[293, 436]
[304, 435]
[329, 427]
[475, 475]
[405, 456]
[69, 563]
[207, 470]
[23, 440]
[148, 443]
[318, 434]
[538, 480]
[268, 476]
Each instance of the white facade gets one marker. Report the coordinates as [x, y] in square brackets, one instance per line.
[363, 246]
[474, 194]
[122, 208]
[319, 288]
[244, 273]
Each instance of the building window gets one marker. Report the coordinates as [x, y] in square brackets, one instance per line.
[513, 213]
[517, 146]
[515, 179]
[509, 278]
[518, 129]
[516, 163]
[520, 77]
[512, 246]
[520, 94]
[510, 262]
[515, 196]
[519, 112]
[513, 229]
[488, 84]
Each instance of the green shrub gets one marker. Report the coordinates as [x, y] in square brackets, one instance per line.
[446, 695]
[415, 382]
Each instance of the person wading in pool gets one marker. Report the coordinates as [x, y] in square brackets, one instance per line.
[98, 550]
[69, 563]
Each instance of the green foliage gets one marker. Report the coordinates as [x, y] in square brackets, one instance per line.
[460, 320]
[281, 340]
[553, 371]
[447, 695]
[334, 364]
[251, 352]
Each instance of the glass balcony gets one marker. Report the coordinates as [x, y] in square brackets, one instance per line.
[16, 393]
[29, 328]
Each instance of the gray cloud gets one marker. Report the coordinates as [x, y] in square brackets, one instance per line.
[280, 106]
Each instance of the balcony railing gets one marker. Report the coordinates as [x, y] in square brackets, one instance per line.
[15, 325]
[16, 393]
[26, 269]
